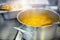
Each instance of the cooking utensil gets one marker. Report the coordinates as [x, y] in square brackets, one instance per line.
[40, 33]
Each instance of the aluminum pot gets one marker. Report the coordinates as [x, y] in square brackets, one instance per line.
[39, 33]
[10, 14]
[37, 9]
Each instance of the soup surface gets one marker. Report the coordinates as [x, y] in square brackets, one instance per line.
[10, 7]
[38, 18]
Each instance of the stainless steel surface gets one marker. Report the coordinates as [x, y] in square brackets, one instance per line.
[58, 32]
[19, 15]
[42, 34]
[23, 31]
[19, 36]
[11, 14]
[37, 33]
[3, 1]
[53, 2]
[2, 12]
[6, 30]
[59, 6]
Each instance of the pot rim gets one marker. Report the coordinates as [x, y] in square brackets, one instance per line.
[37, 9]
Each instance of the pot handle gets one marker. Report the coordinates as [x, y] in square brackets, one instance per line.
[58, 23]
[23, 31]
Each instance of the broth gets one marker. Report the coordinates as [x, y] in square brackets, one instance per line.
[38, 18]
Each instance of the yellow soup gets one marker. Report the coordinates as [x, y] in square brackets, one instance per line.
[38, 18]
[10, 7]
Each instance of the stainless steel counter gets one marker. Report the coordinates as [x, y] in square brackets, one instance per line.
[6, 30]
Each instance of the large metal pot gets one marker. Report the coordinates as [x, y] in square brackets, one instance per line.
[36, 9]
[39, 33]
[10, 14]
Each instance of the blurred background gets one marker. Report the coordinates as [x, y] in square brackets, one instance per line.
[8, 18]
